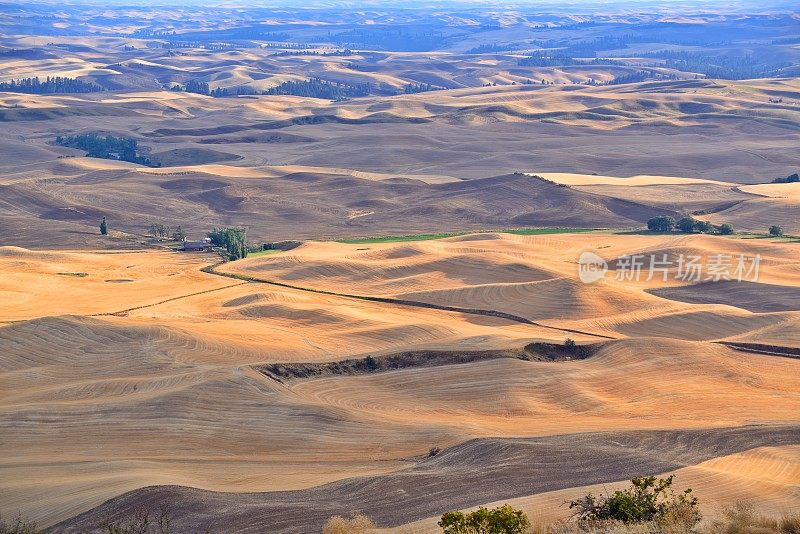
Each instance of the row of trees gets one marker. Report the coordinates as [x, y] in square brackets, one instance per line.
[312, 88]
[202, 88]
[641, 76]
[412, 88]
[50, 85]
[690, 225]
[687, 225]
[317, 88]
[341, 53]
[163, 231]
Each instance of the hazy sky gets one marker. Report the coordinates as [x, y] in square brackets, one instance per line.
[671, 5]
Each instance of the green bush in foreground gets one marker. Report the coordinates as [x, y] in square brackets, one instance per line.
[775, 231]
[501, 520]
[647, 499]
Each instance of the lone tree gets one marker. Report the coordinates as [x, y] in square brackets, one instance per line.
[661, 223]
[503, 519]
[775, 231]
[104, 227]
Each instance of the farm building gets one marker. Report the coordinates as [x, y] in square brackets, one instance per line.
[197, 246]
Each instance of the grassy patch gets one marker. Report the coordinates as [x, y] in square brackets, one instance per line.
[442, 235]
[738, 235]
[781, 239]
[546, 231]
[262, 253]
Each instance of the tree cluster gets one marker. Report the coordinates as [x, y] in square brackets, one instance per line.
[198, 87]
[233, 240]
[492, 48]
[791, 179]
[687, 225]
[53, 85]
[316, 88]
[548, 58]
[690, 225]
[723, 66]
[105, 146]
[161, 231]
[412, 88]
[775, 231]
[641, 76]
[312, 88]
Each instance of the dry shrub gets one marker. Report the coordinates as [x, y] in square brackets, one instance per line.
[738, 519]
[790, 524]
[742, 518]
[355, 524]
[610, 527]
[18, 526]
[680, 517]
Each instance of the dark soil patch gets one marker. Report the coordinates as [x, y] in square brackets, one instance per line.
[283, 372]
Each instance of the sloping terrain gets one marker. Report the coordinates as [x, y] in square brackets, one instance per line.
[536, 277]
[765, 475]
[328, 205]
[192, 357]
[399, 164]
[459, 477]
[747, 295]
[411, 367]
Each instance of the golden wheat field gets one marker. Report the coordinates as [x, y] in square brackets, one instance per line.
[142, 355]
